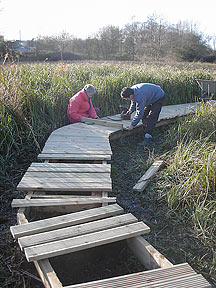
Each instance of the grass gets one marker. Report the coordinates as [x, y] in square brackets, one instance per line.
[188, 184]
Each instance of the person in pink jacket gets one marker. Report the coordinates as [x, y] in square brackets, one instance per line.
[80, 105]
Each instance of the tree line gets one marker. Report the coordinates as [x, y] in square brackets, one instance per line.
[153, 39]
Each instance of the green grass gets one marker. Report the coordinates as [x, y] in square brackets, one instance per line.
[188, 184]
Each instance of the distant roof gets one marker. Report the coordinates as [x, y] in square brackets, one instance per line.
[22, 46]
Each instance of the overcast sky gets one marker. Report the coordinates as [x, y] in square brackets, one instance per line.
[26, 19]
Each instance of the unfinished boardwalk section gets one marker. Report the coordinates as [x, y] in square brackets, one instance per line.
[74, 181]
[78, 143]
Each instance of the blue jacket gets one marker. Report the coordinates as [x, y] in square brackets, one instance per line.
[145, 94]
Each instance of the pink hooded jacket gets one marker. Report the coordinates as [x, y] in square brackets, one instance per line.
[80, 105]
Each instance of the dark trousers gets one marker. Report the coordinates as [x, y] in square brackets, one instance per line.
[151, 115]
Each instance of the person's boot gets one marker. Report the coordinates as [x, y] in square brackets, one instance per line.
[146, 142]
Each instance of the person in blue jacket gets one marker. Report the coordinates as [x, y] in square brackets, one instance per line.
[147, 100]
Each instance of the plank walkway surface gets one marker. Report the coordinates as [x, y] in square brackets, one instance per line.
[79, 141]
[181, 275]
[84, 230]
[65, 220]
[82, 141]
[167, 112]
[67, 177]
[80, 153]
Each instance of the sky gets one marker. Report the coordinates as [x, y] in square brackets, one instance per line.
[27, 19]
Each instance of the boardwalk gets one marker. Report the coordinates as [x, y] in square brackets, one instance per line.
[74, 178]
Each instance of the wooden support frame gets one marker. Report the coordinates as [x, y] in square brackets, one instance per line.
[148, 256]
[44, 268]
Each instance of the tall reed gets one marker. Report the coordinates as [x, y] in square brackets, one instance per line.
[34, 97]
[189, 182]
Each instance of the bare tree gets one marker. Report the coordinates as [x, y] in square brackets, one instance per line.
[111, 39]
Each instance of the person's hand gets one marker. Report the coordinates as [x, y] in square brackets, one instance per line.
[129, 127]
[128, 112]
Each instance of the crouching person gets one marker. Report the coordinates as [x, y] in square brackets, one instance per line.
[147, 100]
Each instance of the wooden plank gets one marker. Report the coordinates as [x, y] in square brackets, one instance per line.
[102, 122]
[64, 179]
[141, 278]
[190, 281]
[79, 138]
[116, 117]
[93, 128]
[70, 167]
[86, 126]
[37, 195]
[75, 151]
[83, 242]
[91, 146]
[75, 136]
[67, 175]
[47, 274]
[80, 133]
[101, 146]
[60, 202]
[62, 156]
[77, 230]
[147, 254]
[64, 186]
[65, 220]
[144, 180]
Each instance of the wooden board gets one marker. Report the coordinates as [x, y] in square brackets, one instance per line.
[141, 278]
[102, 122]
[64, 186]
[96, 132]
[65, 220]
[78, 138]
[99, 146]
[60, 202]
[133, 281]
[77, 230]
[143, 181]
[89, 177]
[62, 156]
[69, 168]
[116, 117]
[83, 242]
[70, 150]
[89, 126]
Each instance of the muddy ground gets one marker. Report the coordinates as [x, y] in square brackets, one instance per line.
[169, 235]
